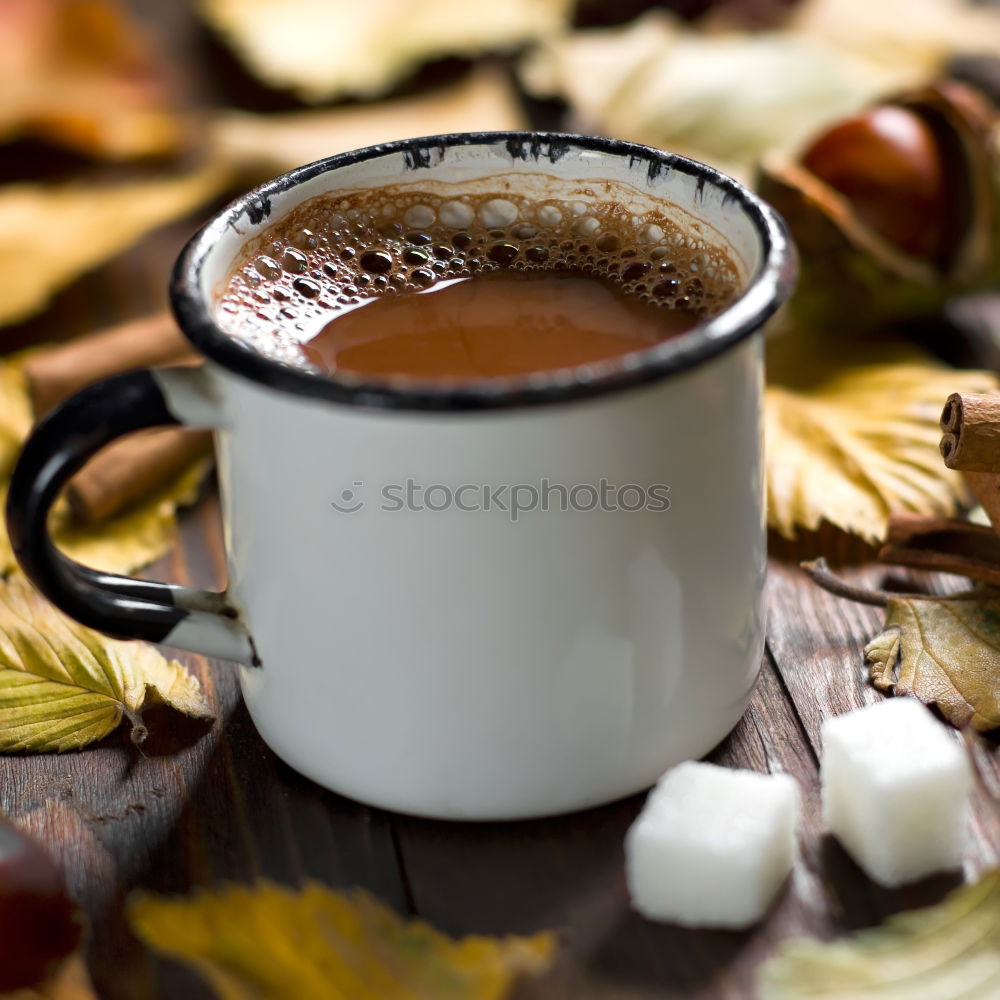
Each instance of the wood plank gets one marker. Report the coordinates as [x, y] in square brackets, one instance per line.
[817, 642]
[567, 873]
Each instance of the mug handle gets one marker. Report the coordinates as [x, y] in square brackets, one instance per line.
[123, 607]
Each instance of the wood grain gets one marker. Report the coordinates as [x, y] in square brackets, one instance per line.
[817, 641]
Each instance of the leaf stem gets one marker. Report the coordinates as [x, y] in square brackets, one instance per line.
[139, 730]
[820, 574]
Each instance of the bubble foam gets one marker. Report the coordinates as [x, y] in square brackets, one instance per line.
[336, 250]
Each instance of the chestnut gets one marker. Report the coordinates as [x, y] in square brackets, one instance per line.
[895, 210]
[889, 166]
[39, 924]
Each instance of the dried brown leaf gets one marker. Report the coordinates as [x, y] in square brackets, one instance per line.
[944, 650]
[51, 235]
[79, 73]
[946, 653]
[323, 50]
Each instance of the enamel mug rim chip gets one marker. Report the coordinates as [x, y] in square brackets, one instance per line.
[766, 288]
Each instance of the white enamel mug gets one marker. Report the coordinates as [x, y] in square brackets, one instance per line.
[462, 663]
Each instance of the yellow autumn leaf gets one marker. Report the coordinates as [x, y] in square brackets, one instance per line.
[323, 50]
[272, 943]
[50, 235]
[15, 415]
[851, 433]
[264, 145]
[63, 686]
[124, 543]
[135, 537]
[946, 952]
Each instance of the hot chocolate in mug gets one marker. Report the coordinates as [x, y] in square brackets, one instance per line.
[476, 659]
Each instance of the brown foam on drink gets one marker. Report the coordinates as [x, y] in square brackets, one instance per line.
[338, 249]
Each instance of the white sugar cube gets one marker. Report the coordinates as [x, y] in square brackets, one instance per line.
[712, 845]
[896, 787]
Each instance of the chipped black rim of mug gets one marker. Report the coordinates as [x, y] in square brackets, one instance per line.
[767, 290]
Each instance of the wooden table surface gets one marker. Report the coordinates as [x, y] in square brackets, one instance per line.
[200, 804]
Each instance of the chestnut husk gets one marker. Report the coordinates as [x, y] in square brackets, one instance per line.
[851, 275]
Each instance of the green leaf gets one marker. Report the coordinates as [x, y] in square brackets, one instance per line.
[63, 686]
[945, 952]
[946, 652]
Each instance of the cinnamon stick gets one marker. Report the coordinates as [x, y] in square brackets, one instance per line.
[131, 469]
[970, 423]
[985, 486]
[970, 443]
[55, 373]
[948, 545]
